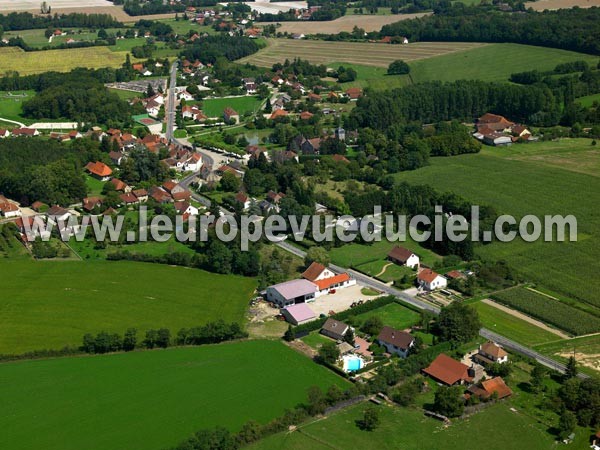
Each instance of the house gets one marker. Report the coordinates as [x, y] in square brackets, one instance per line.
[312, 97]
[116, 158]
[57, 213]
[185, 95]
[488, 388]
[160, 195]
[430, 280]
[395, 341]
[455, 275]
[192, 112]
[4, 133]
[340, 134]
[193, 163]
[334, 329]
[278, 114]
[448, 371]
[520, 131]
[291, 292]
[99, 170]
[306, 115]
[274, 197]
[141, 194]
[491, 353]
[89, 203]
[184, 207]
[354, 93]
[339, 281]
[310, 146]
[38, 206]
[317, 271]
[298, 314]
[120, 186]
[340, 159]
[128, 199]
[243, 199]
[28, 132]
[403, 257]
[231, 115]
[9, 209]
[495, 122]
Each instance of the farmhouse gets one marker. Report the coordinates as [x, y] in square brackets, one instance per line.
[291, 292]
[4, 133]
[354, 93]
[99, 170]
[29, 132]
[430, 280]
[395, 341]
[310, 146]
[448, 371]
[490, 353]
[326, 285]
[298, 314]
[334, 329]
[231, 115]
[89, 203]
[488, 388]
[403, 257]
[317, 271]
[9, 209]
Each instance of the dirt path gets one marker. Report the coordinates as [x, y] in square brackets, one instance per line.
[383, 269]
[526, 318]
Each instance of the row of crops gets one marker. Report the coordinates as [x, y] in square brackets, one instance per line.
[549, 310]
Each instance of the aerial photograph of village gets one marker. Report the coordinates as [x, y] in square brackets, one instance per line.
[297, 225]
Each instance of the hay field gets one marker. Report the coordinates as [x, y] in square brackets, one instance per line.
[561, 4]
[27, 63]
[369, 54]
[24, 5]
[345, 23]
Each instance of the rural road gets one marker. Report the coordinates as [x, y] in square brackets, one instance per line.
[170, 113]
[21, 125]
[372, 283]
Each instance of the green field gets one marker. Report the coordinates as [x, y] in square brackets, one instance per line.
[315, 339]
[409, 429]
[373, 77]
[392, 271]
[393, 315]
[588, 100]
[214, 107]
[37, 38]
[150, 399]
[11, 105]
[48, 304]
[494, 62]
[518, 181]
[586, 348]
[507, 325]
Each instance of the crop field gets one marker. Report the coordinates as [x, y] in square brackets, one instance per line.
[409, 429]
[393, 315]
[588, 100]
[526, 186]
[27, 63]
[508, 325]
[494, 62]
[549, 310]
[372, 77]
[368, 22]
[22, 5]
[150, 399]
[214, 107]
[50, 304]
[541, 5]
[324, 52]
[586, 350]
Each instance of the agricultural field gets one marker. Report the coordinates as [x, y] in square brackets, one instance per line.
[408, 429]
[385, 270]
[586, 350]
[324, 52]
[494, 62]
[549, 310]
[355, 255]
[588, 100]
[150, 399]
[372, 77]
[541, 5]
[213, 107]
[368, 22]
[28, 63]
[11, 105]
[51, 304]
[508, 325]
[393, 315]
[526, 186]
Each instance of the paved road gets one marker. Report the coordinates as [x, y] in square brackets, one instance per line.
[21, 125]
[170, 113]
[488, 334]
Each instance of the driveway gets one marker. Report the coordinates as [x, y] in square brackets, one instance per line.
[339, 301]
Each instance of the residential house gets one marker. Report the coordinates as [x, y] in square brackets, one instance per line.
[354, 93]
[395, 341]
[193, 163]
[9, 209]
[243, 199]
[141, 194]
[99, 170]
[490, 388]
[430, 280]
[291, 292]
[306, 115]
[120, 186]
[89, 203]
[334, 329]
[298, 314]
[184, 207]
[4, 133]
[403, 257]
[340, 159]
[340, 134]
[339, 281]
[116, 157]
[38, 206]
[274, 197]
[448, 371]
[491, 353]
[310, 146]
[128, 199]
[231, 115]
[278, 114]
[317, 271]
[27, 132]
[160, 195]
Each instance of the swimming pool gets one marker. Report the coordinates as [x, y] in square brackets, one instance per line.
[352, 363]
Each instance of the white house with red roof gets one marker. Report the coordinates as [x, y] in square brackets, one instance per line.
[430, 280]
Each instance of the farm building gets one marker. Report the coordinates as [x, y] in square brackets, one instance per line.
[395, 341]
[403, 257]
[490, 353]
[326, 285]
[334, 329]
[430, 280]
[291, 292]
[298, 314]
[99, 170]
[448, 371]
[317, 271]
[488, 388]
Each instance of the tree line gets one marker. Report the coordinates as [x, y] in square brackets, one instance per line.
[16, 21]
[208, 48]
[210, 333]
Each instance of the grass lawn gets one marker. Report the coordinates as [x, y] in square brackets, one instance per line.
[125, 45]
[409, 429]
[50, 304]
[214, 107]
[12, 248]
[357, 254]
[315, 339]
[373, 77]
[94, 185]
[529, 179]
[588, 100]
[392, 272]
[150, 399]
[507, 325]
[11, 105]
[393, 315]
[494, 62]
[125, 95]
[586, 348]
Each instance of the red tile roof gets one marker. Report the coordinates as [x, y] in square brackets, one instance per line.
[400, 253]
[329, 282]
[427, 275]
[400, 339]
[99, 169]
[496, 385]
[447, 370]
[313, 271]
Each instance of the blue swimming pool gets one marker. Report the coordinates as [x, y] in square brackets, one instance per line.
[353, 363]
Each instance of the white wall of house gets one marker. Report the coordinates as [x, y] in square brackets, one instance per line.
[412, 261]
[438, 282]
[392, 349]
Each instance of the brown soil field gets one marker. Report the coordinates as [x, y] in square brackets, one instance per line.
[368, 54]
[345, 23]
[560, 4]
